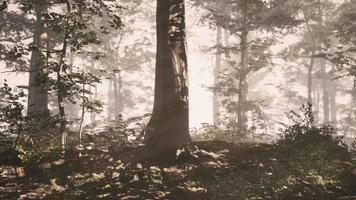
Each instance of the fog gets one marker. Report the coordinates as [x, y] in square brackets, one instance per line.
[268, 87]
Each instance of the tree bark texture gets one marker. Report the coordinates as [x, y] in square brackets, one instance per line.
[168, 128]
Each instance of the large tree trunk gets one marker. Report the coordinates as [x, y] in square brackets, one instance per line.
[242, 94]
[168, 128]
[37, 92]
[216, 76]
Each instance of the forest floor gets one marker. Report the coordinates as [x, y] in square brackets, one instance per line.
[207, 170]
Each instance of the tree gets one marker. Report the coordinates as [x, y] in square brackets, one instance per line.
[74, 26]
[246, 20]
[168, 128]
[316, 30]
[341, 50]
[217, 69]
[129, 52]
[70, 24]
[37, 91]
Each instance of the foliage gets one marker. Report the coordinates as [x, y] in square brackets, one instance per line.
[225, 133]
[303, 135]
[71, 29]
[11, 109]
[23, 138]
[310, 161]
[117, 135]
[318, 157]
[249, 24]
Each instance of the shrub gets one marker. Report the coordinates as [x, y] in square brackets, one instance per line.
[303, 135]
[314, 158]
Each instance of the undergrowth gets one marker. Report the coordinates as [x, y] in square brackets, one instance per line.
[309, 162]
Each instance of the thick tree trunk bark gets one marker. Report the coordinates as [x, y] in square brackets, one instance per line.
[216, 76]
[37, 92]
[168, 128]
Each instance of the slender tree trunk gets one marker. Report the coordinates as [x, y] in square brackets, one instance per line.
[96, 97]
[232, 116]
[109, 102]
[333, 108]
[60, 92]
[116, 95]
[37, 91]
[310, 78]
[242, 94]
[325, 79]
[353, 94]
[168, 128]
[93, 96]
[317, 103]
[71, 110]
[325, 87]
[92, 114]
[81, 124]
[62, 125]
[216, 76]
[118, 98]
[120, 95]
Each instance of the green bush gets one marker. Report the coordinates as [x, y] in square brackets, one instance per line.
[314, 159]
[303, 136]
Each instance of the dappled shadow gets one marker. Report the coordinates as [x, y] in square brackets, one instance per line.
[206, 170]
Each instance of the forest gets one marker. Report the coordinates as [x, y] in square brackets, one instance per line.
[178, 99]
